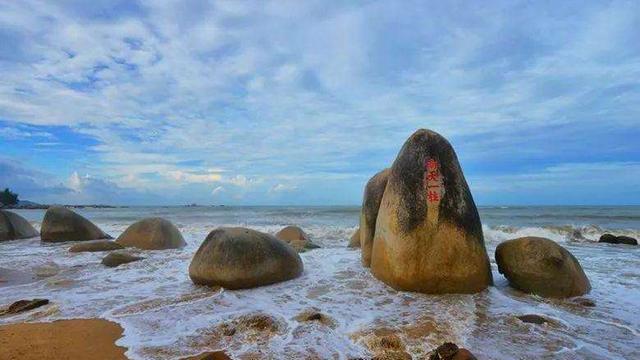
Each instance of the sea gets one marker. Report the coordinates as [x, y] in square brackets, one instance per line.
[165, 316]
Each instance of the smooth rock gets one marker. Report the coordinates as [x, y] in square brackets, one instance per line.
[613, 239]
[451, 351]
[95, 246]
[371, 200]
[62, 224]
[354, 242]
[297, 238]
[533, 319]
[237, 258]
[118, 258]
[152, 234]
[23, 305]
[14, 226]
[428, 235]
[540, 266]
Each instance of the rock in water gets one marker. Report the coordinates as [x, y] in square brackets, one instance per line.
[152, 234]
[354, 242]
[62, 224]
[428, 236]
[237, 258]
[297, 238]
[14, 226]
[23, 305]
[542, 267]
[368, 215]
[451, 351]
[95, 246]
[613, 239]
[115, 259]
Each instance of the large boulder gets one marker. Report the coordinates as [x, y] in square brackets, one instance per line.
[62, 224]
[428, 236]
[613, 239]
[237, 258]
[540, 266]
[296, 237]
[354, 242]
[152, 234]
[373, 192]
[14, 226]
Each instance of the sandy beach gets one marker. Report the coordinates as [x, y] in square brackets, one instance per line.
[61, 339]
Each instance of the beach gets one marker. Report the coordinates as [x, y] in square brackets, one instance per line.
[151, 309]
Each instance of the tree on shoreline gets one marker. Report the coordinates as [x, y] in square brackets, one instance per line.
[7, 197]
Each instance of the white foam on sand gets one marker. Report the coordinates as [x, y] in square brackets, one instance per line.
[165, 316]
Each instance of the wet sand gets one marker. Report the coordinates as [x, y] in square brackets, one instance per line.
[63, 339]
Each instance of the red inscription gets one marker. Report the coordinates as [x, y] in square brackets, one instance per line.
[432, 181]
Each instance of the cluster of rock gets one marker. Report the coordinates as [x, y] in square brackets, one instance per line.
[620, 239]
[419, 226]
[420, 231]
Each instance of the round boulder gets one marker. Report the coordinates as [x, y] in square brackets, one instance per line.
[296, 237]
[152, 234]
[354, 242]
[540, 266]
[373, 192]
[238, 258]
[14, 226]
[62, 224]
[428, 237]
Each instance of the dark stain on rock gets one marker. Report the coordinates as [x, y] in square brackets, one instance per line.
[407, 173]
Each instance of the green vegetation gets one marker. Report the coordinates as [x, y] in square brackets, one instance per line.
[7, 197]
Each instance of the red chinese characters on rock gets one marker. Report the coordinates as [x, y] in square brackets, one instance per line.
[432, 181]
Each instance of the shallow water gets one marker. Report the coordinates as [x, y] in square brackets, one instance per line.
[165, 316]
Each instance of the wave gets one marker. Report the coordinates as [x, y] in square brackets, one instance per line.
[558, 233]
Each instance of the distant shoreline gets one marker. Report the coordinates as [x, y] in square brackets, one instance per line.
[45, 207]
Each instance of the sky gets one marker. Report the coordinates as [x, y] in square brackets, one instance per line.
[301, 102]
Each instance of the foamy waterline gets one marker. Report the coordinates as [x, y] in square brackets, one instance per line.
[165, 316]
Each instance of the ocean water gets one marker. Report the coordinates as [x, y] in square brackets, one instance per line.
[165, 316]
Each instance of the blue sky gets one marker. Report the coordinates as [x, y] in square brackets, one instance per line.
[300, 102]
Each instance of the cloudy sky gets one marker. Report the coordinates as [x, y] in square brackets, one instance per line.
[300, 102]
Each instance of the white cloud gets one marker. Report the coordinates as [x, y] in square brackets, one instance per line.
[217, 190]
[282, 188]
[302, 90]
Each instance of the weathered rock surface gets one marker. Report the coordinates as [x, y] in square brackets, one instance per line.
[23, 305]
[237, 258]
[533, 319]
[540, 266]
[115, 259]
[315, 315]
[451, 351]
[209, 355]
[428, 236]
[354, 242]
[373, 192]
[297, 238]
[95, 246]
[152, 234]
[14, 226]
[62, 224]
[613, 239]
